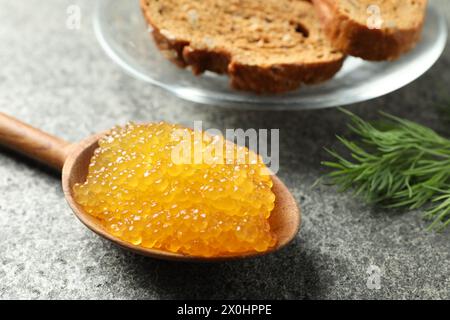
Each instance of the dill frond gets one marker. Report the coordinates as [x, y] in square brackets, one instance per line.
[397, 163]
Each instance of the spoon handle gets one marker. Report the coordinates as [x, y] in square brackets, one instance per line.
[33, 142]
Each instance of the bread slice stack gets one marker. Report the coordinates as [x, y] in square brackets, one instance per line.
[275, 46]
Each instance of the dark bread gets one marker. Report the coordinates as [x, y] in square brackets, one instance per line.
[350, 29]
[265, 47]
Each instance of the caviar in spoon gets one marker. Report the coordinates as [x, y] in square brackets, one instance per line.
[73, 160]
[217, 201]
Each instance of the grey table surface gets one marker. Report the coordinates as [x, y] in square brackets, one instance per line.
[61, 81]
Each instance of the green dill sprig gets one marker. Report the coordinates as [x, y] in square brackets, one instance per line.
[397, 163]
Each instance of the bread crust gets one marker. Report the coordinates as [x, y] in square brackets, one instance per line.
[271, 79]
[356, 39]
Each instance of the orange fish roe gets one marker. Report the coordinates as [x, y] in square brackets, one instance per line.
[215, 206]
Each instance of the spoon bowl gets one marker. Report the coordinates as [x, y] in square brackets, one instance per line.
[74, 161]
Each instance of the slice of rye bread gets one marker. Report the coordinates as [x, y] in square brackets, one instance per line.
[272, 46]
[373, 29]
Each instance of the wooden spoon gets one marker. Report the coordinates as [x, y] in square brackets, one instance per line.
[74, 159]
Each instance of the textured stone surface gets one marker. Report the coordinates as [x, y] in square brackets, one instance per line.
[61, 81]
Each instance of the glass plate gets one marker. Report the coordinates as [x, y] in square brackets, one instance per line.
[124, 35]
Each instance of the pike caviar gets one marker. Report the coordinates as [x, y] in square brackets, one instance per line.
[217, 206]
